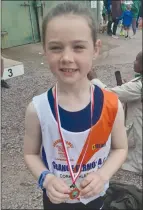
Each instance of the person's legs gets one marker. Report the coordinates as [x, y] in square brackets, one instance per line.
[103, 17]
[127, 30]
[134, 20]
[109, 25]
[116, 21]
[127, 34]
[106, 18]
[137, 22]
[122, 33]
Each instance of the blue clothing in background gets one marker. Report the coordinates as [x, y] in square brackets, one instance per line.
[107, 4]
[127, 18]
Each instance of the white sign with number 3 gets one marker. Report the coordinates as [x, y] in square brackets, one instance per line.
[13, 71]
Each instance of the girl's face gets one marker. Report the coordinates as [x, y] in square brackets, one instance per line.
[69, 48]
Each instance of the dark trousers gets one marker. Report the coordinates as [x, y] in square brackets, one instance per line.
[137, 22]
[134, 22]
[115, 25]
[93, 205]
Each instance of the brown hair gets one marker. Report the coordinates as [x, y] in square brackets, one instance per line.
[70, 8]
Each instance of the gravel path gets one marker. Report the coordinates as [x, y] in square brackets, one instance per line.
[19, 190]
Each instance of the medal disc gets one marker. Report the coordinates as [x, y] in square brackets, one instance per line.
[74, 193]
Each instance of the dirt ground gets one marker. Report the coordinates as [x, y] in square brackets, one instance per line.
[19, 189]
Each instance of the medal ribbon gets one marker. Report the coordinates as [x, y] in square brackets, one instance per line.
[74, 176]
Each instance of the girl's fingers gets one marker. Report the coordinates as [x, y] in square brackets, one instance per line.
[54, 199]
[58, 195]
[92, 189]
[87, 189]
[61, 187]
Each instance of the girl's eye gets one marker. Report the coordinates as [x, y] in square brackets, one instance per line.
[79, 47]
[55, 48]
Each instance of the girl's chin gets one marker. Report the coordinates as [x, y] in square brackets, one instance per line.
[69, 80]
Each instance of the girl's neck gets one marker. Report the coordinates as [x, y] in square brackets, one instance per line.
[76, 89]
[74, 97]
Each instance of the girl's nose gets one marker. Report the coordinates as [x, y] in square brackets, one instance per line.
[67, 56]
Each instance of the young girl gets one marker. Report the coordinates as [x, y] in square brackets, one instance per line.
[68, 129]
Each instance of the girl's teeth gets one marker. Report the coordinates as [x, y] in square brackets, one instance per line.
[68, 70]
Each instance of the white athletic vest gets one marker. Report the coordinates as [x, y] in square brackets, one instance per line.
[75, 141]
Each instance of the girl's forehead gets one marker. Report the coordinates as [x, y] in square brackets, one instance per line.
[68, 26]
[68, 18]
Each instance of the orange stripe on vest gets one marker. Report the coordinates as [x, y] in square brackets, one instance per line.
[102, 129]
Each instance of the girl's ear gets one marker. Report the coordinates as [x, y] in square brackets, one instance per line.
[97, 48]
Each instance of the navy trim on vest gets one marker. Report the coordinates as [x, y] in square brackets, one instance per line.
[79, 121]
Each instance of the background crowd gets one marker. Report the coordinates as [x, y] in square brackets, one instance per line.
[127, 14]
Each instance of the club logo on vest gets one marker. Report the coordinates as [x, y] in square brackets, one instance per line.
[60, 150]
[97, 146]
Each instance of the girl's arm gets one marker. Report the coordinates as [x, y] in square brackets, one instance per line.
[32, 142]
[119, 147]
[56, 188]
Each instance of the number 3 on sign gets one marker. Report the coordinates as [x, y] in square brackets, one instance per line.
[10, 73]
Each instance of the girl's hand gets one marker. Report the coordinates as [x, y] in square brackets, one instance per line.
[92, 185]
[56, 189]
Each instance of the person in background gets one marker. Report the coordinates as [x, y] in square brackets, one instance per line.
[130, 94]
[137, 23]
[140, 21]
[127, 17]
[104, 15]
[114, 12]
[104, 19]
[107, 6]
[3, 82]
[123, 7]
[135, 10]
